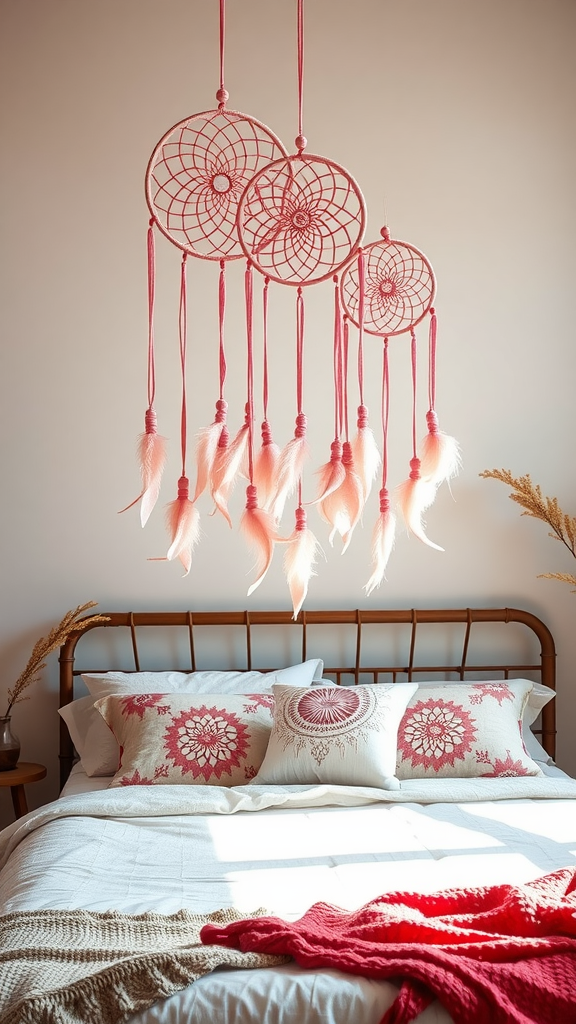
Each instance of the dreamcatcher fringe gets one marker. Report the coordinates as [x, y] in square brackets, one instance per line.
[266, 466]
[439, 453]
[299, 560]
[332, 474]
[366, 455]
[183, 525]
[230, 461]
[151, 453]
[351, 494]
[258, 528]
[207, 444]
[295, 453]
[415, 495]
[383, 538]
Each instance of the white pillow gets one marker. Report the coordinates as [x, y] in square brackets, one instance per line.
[93, 740]
[468, 730]
[340, 735]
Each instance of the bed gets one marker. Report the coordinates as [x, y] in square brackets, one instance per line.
[230, 839]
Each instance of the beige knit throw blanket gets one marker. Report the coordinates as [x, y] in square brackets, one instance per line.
[83, 967]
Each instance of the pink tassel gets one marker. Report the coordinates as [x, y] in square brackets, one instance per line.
[382, 542]
[152, 459]
[366, 454]
[332, 474]
[207, 446]
[352, 494]
[266, 468]
[440, 453]
[229, 462]
[415, 496]
[290, 468]
[299, 560]
[258, 528]
[183, 523]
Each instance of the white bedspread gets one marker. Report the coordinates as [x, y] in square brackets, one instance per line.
[166, 847]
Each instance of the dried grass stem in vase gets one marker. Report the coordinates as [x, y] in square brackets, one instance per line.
[530, 498]
[71, 623]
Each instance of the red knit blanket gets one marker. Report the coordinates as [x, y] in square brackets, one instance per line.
[493, 955]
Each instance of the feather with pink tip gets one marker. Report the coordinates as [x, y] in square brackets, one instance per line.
[258, 527]
[229, 462]
[415, 495]
[365, 450]
[299, 560]
[351, 492]
[207, 443]
[183, 523]
[291, 464]
[266, 466]
[332, 473]
[382, 542]
[440, 454]
[152, 459]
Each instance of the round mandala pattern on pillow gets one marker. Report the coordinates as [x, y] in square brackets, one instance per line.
[206, 741]
[435, 733]
[328, 710]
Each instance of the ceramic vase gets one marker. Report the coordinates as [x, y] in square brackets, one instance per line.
[9, 745]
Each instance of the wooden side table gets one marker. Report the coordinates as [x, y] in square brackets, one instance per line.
[16, 778]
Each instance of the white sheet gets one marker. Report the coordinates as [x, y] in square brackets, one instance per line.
[284, 848]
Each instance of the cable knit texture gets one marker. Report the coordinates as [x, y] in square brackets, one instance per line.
[493, 955]
[79, 966]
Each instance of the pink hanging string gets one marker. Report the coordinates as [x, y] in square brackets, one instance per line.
[301, 141]
[440, 458]
[214, 438]
[267, 459]
[385, 527]
[222, 95]
[257, 524]
[331, 474]
[151, 449]
[364, 447]
[182, 517]
[294, 454]
[416, 494]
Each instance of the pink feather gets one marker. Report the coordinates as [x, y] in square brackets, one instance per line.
[229, 462]
[183, 523]
[440, 453]
[292, 459]
[365, 450]
[415, 495]
[299, 560]
[266, 466]
[152, 459]
[258, 527]
[382, 542]
[332, 474]
[352, 493]
[207, 444]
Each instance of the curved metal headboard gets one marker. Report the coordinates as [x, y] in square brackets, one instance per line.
[410, 668]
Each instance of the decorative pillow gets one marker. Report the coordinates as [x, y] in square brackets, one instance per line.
[96, 745]
[342, 735]
[174, 739]
[468, 730]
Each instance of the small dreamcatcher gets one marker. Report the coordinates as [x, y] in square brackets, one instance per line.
[388, 291]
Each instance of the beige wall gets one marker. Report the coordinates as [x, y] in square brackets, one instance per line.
[457, 120]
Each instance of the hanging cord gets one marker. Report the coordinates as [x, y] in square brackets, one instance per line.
[150, 417]
[183, 337]
[345, 346]
[249, 296]
[361, 314]
[222, 95]
[301, 141]
[338, 411]
[385, 415]
[414, 461]
[431, 417]
[267, 437]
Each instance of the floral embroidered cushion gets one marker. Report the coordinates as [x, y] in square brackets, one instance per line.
[341, 735]
[173, 739]
[469, 730]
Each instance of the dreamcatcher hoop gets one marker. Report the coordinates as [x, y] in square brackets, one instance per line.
[301, 219]
[399, 287]
[197, 174]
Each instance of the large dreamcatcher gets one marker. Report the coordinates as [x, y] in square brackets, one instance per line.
[220, 186]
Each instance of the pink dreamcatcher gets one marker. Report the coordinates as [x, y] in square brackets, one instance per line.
[388, 291]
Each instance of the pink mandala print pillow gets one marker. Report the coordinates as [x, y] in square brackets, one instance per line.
[465, 731]
[341, 735]
[174, 739]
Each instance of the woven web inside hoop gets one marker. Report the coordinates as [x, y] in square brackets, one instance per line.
[197, 174]
[399, 288]
[301, 219]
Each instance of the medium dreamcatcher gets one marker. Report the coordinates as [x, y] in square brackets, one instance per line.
[220, 186]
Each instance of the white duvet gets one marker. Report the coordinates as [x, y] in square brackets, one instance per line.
[282, 848]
